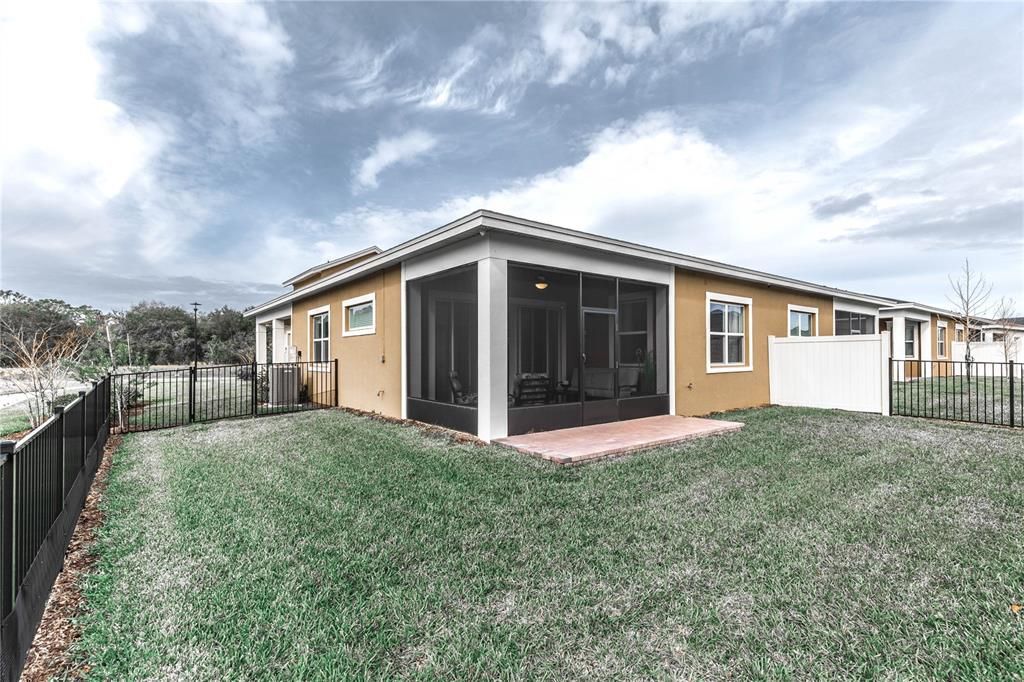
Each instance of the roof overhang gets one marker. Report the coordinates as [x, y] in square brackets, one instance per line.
[917, 308]
[368, 251]
[480, 222]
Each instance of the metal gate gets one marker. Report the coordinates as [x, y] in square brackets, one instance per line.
[160, 399]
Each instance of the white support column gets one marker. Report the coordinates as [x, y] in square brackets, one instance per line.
[492, 343]
[898, 337]
[261, 343]
[279, 341]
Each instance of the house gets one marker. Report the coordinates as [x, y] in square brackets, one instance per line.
[498, 325]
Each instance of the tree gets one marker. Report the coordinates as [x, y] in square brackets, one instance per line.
[227, 337]
[45, 358]
[1005, 316]
[968, 295]
[160, 334]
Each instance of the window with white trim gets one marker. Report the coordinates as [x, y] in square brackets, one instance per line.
[801, 323]
[959, 334]
[321, 340]
[910, 334]
[940, 340]
[726, 333]
[359, 315]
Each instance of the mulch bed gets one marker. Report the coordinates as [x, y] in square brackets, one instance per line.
[432, 429]
[58, 631]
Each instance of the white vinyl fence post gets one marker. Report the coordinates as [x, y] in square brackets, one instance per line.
[884, 358]
[772, 373]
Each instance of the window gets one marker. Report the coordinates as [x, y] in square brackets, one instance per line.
[321, 336]
[959, 334]
[910, 339]
[727, 320]
[940, 340]
[803, 321]
[360, 315]
[848, 323]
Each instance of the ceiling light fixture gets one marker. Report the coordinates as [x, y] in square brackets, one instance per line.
[541, 283]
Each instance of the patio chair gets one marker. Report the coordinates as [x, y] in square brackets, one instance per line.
[459, 395]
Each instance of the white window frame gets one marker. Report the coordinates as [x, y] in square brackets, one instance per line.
[801, 309]
[713, 297]
[942, 340]
[959, 333]
[370, 298]
[313, 312]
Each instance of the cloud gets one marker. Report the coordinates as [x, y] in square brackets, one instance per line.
[996, 225]
[837, 205]
[391, 151]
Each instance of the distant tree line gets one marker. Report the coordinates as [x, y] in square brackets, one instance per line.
[148, 333]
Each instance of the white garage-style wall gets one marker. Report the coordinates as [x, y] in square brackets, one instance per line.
[831, 372]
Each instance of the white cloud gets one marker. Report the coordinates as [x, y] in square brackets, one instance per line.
[390, 151]
[66, 147]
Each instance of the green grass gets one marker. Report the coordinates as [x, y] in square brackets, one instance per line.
[328, 546]
[983, 400]
[13, 420]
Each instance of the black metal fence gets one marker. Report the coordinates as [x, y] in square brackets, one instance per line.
[979, 392]
[44, 480]
[143, 401]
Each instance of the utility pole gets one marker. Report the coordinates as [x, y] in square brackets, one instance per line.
[195, 333]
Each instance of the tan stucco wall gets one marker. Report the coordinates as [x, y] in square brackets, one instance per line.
[369, 366]
[730, 390]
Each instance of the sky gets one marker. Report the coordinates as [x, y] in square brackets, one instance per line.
[191, 151]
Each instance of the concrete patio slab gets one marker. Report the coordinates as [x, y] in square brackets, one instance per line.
[588, 443]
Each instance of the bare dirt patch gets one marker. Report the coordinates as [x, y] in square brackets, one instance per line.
[48, 657]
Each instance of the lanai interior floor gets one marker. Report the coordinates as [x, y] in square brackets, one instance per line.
[598, 441]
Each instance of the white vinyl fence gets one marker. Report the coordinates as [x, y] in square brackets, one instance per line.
[988, 358]
[833, 372]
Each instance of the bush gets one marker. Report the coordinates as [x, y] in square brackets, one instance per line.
[63, 400]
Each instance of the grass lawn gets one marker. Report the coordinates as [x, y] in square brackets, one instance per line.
[324, 545]
[13, 420]
[986, 400]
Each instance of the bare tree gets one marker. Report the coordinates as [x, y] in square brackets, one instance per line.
[1003, 315]
[969, 297]
[44, 362]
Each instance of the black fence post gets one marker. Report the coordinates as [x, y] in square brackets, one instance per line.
[6, 527]
[85, 437]
[191, 394]
[58, 412]
[255, 386]
[1012, 399]
[334, 371]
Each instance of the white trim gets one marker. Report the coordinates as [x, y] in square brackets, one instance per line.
[480, 222]
[748, 365]
[942, 324]
[801, 309]
[370, 298]
[309, 272]
[310, 314]
[671, 303]
[405, 352]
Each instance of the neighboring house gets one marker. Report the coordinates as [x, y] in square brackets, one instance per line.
[497, 325]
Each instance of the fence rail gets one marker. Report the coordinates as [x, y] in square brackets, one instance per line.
[978, 392]
[143, 401]
[44, 480]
